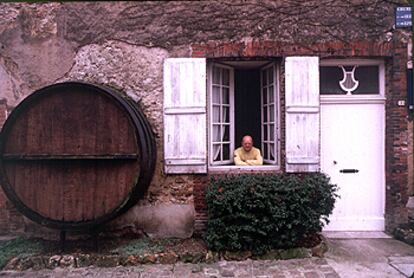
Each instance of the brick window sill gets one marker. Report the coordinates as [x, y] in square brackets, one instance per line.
[233, 169]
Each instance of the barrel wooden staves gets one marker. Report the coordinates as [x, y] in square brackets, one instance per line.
[75, 155]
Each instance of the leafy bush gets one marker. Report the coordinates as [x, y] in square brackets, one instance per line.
[260, 213]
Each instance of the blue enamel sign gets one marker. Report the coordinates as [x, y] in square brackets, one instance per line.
[403, 17]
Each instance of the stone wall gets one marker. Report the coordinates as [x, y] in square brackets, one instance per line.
[123, 45]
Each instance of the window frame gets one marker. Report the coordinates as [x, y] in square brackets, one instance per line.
[229, 167]
[210, 67]
[356, 98]
[276, 115]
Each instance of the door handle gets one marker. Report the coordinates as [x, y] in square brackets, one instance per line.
[349, 171]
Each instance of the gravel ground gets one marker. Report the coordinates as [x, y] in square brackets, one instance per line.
[308, 268]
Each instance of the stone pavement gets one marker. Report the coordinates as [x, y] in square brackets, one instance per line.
[369, 255]
[349, 256]
[370, 258]
[307, 268]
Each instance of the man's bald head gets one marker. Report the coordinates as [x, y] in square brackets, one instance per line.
[247, 143]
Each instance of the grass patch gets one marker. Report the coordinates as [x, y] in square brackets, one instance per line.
[17, 247]
[142, 246]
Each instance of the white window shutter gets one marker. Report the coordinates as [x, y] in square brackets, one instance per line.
[302, 114]
[185, 131]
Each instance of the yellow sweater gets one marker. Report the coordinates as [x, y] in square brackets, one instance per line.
[253, 157]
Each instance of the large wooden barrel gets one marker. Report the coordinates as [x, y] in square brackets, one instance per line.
[75, 155]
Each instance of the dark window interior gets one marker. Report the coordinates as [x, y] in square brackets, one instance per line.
[247, 105]
[329, 80]
[368, 80]
[330, 76]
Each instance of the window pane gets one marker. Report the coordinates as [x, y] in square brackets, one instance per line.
[264, 78]
[216, 133]
[271, 113]
[265, 114]
[226, 114]
[216, 75]
[226, 136]
[265, 155]
[329, 80]
[226, 151]
[271, 132]
[271, 94]
[216, 114]
[368, 80]
[265, 133]
[270, 74]
[226, 77]
[264, 95]
[272, 151]
[216, 152]
[216, 94]
[226, 96]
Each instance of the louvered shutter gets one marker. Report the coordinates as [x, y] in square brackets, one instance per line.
[185, 147]
[302, 114]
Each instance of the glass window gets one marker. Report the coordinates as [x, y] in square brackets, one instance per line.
[216, 133]
[231, 92]
[216, 75]
[366, 77]
[216, 152]
[264, 95]
[269, 115]
[272, 113]
[226, 135]
[220, 115]
[216, 95]
[226, 151]
[216, 114]
[226, 77]
[329, 80]
[226, 95]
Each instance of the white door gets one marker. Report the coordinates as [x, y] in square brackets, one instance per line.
[352, 154]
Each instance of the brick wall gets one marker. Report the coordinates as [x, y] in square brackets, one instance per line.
[258, 48]
[200, 206]
[396, 139]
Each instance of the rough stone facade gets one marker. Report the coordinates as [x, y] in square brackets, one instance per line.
[124, 44]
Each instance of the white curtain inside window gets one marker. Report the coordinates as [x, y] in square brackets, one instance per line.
[223, 119]
[216, 149]
[272, 151]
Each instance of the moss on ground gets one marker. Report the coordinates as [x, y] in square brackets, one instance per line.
[142, 246]
[18, 247]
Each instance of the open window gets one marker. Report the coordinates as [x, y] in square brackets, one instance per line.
[243, 99]
[239, 97]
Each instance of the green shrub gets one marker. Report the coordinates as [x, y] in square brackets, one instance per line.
[260, 213]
